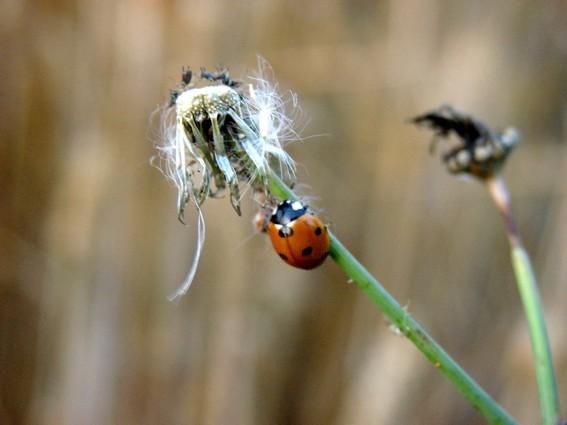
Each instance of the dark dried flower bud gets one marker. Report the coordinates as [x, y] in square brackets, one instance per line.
[481, 152]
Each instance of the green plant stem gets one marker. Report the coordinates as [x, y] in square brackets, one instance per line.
[527, 286]
[407, 325]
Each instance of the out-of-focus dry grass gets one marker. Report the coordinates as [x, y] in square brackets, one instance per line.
[90, 245]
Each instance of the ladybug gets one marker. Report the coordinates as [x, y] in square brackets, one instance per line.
[299, 237]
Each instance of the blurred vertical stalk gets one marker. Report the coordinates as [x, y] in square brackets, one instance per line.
[529, 294]
[406, 324]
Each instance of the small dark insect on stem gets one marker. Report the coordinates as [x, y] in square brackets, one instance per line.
[222, 75]
[186, 77]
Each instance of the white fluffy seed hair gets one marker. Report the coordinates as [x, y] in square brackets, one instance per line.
[267, 122]
[172, 162]
[274, 115]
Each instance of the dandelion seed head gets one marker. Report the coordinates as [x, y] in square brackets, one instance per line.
[221, 138]
[203, 102]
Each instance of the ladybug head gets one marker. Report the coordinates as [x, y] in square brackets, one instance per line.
[287, 211]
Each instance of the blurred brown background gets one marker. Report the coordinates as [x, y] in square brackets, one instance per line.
[90, 245]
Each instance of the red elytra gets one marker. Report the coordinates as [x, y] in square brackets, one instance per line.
[299, 237]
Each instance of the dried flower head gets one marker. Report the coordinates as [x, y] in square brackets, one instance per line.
[481, 152]
[223, 136]
[218, 135]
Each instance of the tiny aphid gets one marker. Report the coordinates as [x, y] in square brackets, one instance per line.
[223, 137]
[222, 76]
[186, 77]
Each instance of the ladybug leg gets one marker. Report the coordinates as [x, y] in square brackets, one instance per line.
[262, 218]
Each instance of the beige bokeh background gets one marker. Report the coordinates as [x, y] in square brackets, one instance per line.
[90, 245]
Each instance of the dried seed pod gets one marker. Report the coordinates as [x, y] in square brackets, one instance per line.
[218, 138]
[481, 152]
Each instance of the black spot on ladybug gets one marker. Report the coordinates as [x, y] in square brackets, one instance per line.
[283, 256]
[318, 231]
[325, 255]
[307, 251]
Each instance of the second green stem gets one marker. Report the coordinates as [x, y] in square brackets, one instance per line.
[527, 287]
